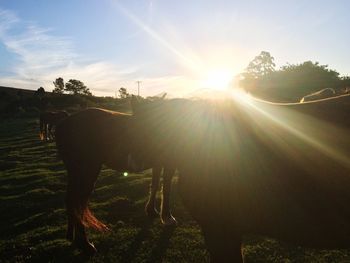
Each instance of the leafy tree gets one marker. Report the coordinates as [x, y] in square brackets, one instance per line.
[59, 86]
[261, 66]
[123, 93]
[40, 92]
[75, 87]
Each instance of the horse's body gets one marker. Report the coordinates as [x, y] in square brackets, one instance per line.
[321, 94]
[49, 120]
[256, 168]
[85, 141]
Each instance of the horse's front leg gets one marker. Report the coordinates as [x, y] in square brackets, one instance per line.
[150, 209]
[166, 216]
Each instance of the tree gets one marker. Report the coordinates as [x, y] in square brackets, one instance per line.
[260, 67]
[59, 86]
[75, 87]
[123, 93]
[40, 92]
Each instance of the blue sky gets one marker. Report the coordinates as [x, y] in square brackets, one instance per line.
[171, 46]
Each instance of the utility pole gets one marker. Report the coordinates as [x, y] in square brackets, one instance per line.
[138, 87]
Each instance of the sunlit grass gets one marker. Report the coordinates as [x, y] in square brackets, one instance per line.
[33, 217]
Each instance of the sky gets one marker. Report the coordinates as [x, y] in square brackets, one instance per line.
[179, 47]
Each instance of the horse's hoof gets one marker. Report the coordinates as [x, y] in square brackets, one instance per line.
[168, 221]
[151, 212]
[86, 247]
[90, 249]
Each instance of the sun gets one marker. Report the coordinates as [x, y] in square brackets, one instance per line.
[217, 79]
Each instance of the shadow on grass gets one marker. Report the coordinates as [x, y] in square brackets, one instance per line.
[142, 235]
[162, 245]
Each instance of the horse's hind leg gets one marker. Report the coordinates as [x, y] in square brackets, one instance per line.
[150, 209]
[82, 242]
[71, 201]
[86, 187]
[166, 216]
[80, 185]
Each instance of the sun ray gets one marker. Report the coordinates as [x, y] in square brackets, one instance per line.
[188, 62]
[301, 126]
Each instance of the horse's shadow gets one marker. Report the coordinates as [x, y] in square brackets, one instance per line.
[162, 244]
[158, 251]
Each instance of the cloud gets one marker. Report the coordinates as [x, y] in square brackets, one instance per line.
[36, 49]
[41, 57]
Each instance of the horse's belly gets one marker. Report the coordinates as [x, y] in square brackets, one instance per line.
[117, 160]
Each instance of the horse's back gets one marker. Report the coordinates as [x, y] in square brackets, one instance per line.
[93, 134]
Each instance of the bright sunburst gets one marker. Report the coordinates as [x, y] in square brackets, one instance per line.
[218, 79]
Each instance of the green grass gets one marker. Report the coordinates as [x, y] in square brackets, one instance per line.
[33, 222]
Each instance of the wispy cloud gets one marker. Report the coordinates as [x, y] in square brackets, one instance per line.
[36, 48]
[41, 57]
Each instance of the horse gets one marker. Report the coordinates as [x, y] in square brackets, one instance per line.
[48, 120]
[321, 94]
[85, 141]
[248, 166]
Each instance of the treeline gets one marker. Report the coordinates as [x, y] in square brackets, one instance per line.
[73, 87]
[290, 82]
[28, 103]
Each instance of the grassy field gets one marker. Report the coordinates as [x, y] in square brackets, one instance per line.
[33, 223]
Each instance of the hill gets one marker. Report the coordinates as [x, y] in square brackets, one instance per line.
[16, 102]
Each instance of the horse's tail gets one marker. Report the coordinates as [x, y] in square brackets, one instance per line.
[78, 210]
[42, 125]
[89, 220]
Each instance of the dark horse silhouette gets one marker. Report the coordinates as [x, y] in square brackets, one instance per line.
[252, 167]
[48, 120]
[85, 141]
